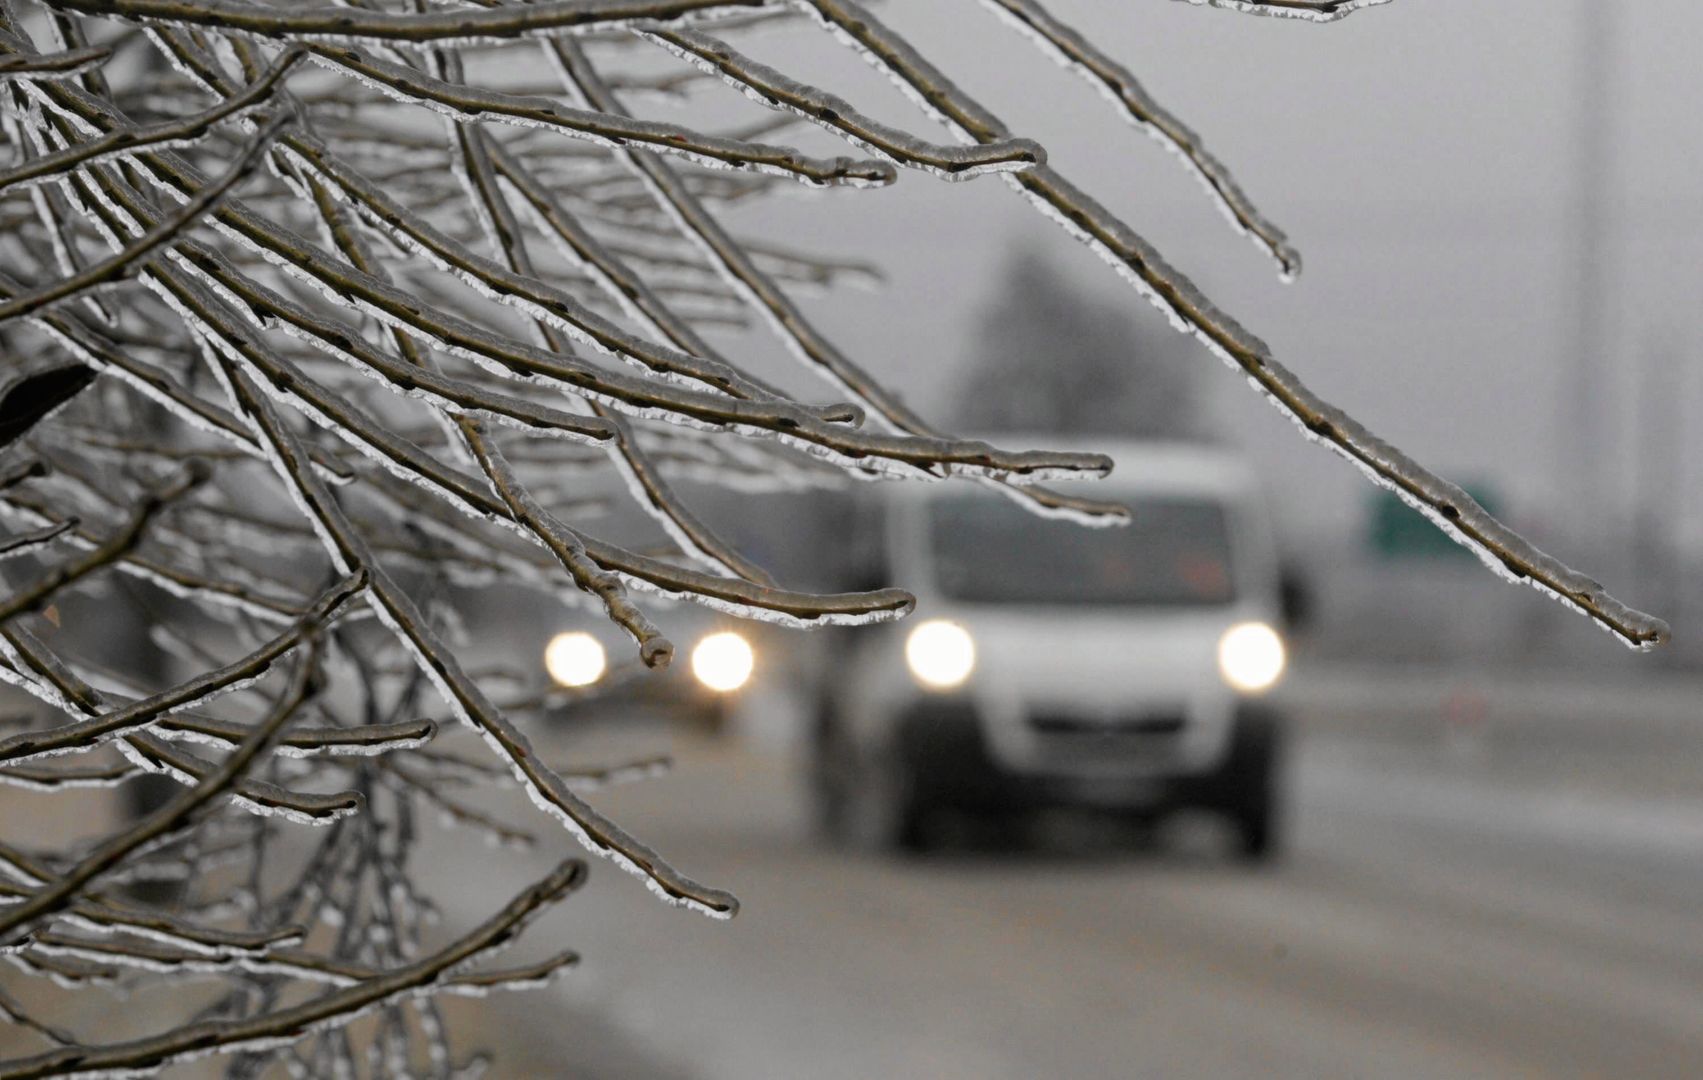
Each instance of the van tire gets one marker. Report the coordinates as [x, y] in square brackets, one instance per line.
[870, 803]
[1249, 788]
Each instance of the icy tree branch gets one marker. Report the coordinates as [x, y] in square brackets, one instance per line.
[414, 316]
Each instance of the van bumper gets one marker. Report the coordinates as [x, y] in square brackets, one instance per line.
[944, 742]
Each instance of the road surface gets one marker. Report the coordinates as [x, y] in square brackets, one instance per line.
[1470, 891]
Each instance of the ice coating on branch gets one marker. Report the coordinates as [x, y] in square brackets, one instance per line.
[545, 18]
[771, 89]
[602, 130]
[1118, 86]
[1319, 11]
[379, 280]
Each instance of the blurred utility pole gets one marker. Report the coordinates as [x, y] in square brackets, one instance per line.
[1586, 408]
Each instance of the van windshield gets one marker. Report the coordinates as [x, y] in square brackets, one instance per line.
[1175, 552]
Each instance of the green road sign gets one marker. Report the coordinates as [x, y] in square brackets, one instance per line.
[1398, 531]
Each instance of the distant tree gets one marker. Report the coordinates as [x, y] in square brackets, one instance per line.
[400, 295]
[1051, 358]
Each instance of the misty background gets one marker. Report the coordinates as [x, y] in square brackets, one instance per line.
[1499, 210]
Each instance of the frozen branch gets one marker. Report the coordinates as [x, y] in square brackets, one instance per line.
[63, 65]
[455, 27]
[123, 263]
[776, 91]
[1320, 11]
[1120, 86]
[29, 542]
[169, 819]
[168, 133]
[467, 104]
[285, 1026]
[34, 595]
[488, 329]
[86, 734]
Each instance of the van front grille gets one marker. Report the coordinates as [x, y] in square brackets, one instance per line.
[1107, 728]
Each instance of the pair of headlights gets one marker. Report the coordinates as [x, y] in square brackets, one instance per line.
[722, 661]
[942, 654]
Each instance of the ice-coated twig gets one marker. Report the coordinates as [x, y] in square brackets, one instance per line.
[13, 1010]
[476, 323]
[170, 578]
[775, 90]
[95, 348]
[47, 676]
[567, 548]
[62, 65]
[121, 542]
[65, 973]
[285, 1026]
[1319, 11]
[289, 963]
[597, 777]
[255, 796]
[435, 27]
[362, 740]
[210, 315]
[93, 732]
[695, 538]
[469, 104]
[1120, 86]
[166, 133]
[932, 453]
[168, 819]
[545, 787]
[125, 262]
[61, 777]
[787, 320]
[27, 543]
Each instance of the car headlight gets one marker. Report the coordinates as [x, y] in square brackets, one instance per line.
[1251, 657]
[941, 654]
[723, 662]
[574, 659]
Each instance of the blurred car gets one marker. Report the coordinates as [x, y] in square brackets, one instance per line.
[1049, 663]
[716, 659]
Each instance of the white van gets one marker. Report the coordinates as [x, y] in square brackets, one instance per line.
[1050, 663]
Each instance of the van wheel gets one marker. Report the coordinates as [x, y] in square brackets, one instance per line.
[827, 773]
[1249, 787]
[871, 805]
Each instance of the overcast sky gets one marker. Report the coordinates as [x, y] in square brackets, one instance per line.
[1422, 155]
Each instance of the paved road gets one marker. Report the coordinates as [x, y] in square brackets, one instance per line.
[1455, 904]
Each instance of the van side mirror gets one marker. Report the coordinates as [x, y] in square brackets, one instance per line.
[1294, 599]
[868, 576]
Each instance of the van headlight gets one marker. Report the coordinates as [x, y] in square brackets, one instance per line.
[723, 661]
[575, 659]
[1251, 657]
[940, 654]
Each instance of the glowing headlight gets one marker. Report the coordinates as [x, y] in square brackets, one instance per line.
[1250, 657]
[941, 654]
[723, 662]
[574, 659]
